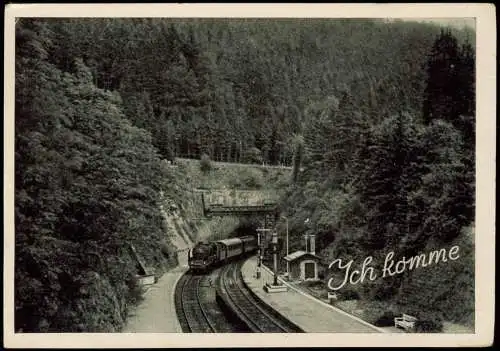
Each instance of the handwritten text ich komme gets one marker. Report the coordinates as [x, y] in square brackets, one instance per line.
[354, 276]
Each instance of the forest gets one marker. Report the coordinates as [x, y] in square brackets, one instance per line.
[377, 120]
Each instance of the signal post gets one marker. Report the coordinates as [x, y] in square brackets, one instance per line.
[276, 286]
[260, 241]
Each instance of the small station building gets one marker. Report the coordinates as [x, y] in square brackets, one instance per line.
[303, 265]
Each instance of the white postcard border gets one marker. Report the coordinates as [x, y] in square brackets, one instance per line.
[485, 173]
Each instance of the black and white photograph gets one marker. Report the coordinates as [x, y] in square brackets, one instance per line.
[245, 172]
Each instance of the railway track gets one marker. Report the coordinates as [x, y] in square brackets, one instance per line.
[243, 305]
[191, 313]
[239, 309]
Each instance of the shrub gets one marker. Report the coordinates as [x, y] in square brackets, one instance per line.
[386, 319]
[135, 290]
[169, 155]
[385, 290]
[205, 163]
[429, 326]
[315, 284]
[429, 322]
[252, 155]
[349, 294]
[165, 249]
[252, 179]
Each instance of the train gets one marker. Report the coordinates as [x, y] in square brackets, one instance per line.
[207, 255]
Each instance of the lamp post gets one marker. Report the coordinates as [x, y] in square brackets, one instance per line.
[287, 263]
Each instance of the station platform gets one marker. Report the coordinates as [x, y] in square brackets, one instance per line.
[306, 311]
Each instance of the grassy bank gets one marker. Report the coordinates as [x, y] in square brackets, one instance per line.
[440, 294]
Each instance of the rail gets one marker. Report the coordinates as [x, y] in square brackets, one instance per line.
[190, 311]
[259, 317]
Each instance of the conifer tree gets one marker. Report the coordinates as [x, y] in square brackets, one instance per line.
[443, 84]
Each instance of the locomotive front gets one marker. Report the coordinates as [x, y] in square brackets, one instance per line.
[202, 257]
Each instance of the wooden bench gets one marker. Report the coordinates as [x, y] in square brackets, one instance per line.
[148, 279]
[406, 322]
[332, 297]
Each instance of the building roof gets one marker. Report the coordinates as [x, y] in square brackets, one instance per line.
[298, 254]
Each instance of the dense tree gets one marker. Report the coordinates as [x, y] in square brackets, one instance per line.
[297, 157]
[449, 92]
[87, 186]
[379, 178]
[450, 96]
[259, 71]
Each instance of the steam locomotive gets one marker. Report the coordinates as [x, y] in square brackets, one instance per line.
[206, 255]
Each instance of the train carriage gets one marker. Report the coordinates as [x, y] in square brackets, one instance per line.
[249, 243]
[221, 252]
[230, 248]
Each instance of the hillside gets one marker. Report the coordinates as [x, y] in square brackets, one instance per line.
[241, 90]
[446, 288]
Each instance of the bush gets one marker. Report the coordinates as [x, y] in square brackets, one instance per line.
[205, 163]
[429, 326]
[165, 249]
[429, 323]
[386, 319]
[252, 179]
[315, 284]
[135, 291]
[253, 155]
[169, 154]
[385, 290]
[349, 295]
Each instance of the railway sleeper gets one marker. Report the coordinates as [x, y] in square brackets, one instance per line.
[270, 310]
[235, 316]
